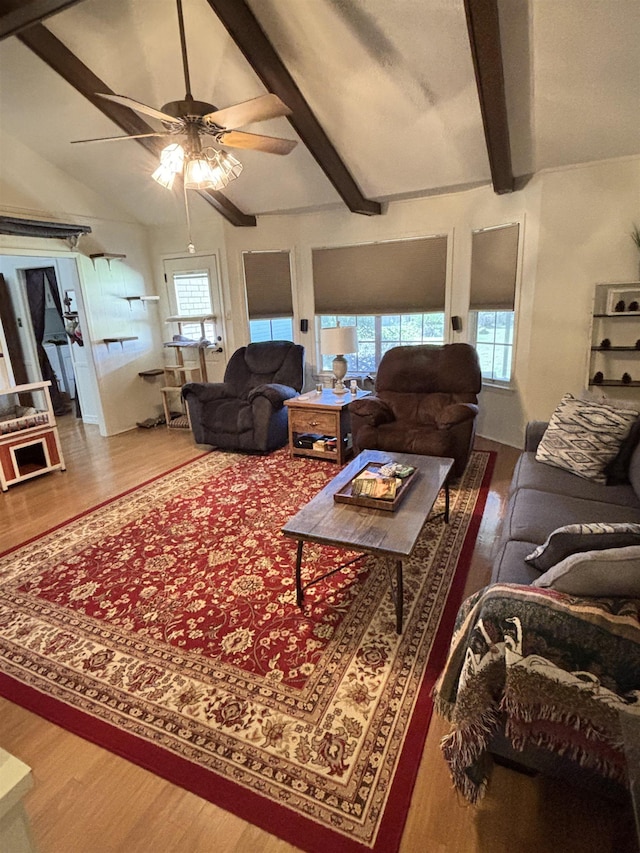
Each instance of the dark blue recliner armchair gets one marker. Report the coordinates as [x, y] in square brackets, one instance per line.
[246, 411]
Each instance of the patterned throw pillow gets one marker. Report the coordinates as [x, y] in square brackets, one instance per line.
[583, 436]
[615, 571]
[574, 538]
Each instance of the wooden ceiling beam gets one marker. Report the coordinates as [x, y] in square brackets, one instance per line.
[58, 57]
[16, 15]
[244, 29]
[483, 26]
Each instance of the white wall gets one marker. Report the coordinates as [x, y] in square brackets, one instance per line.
[575, 233]
[586, 217]
[126, 397]
[455, 215]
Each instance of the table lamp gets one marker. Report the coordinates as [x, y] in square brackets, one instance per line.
[336, 341]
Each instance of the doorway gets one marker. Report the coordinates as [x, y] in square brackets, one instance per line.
[193, 290]
[51, 341]
[76, 373]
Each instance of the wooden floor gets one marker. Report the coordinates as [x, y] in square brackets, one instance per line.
[86, 800]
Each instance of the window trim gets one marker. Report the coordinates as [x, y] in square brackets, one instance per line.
[378, 342]
[472, 320]
[511, 385]
[270, 321]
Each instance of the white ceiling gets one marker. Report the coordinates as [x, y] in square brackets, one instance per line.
[390, 81]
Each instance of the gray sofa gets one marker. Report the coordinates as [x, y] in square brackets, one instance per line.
[543, 498]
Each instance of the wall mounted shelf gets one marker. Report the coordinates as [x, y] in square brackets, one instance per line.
[191, 318]
[622, 356]
[617, 383]
[155, 371]
[143, 299]
[615, 349]
[120, 340]
[107, 256]
[619, 315]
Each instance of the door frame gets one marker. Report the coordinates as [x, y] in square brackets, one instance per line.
[171, 264]
[51, 257]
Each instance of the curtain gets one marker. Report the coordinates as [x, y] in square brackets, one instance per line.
[37, 280]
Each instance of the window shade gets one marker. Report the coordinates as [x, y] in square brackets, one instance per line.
[494, 261]
[400, 276]
[267, 278]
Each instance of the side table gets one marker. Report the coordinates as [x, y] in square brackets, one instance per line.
[324, 414]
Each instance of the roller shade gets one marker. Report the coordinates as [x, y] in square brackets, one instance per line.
[400, 276]
[267, 278]
[494, 261]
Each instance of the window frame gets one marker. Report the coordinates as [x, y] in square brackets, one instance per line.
[472, 317]
[210, 325]
[378, 342]
[473, 333]
[290, 291]
[271, 321]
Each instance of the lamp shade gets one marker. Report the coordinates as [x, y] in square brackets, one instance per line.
[338, 340]
[200, 175]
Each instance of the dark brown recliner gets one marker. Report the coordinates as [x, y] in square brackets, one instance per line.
[246, 411]
[425, 402]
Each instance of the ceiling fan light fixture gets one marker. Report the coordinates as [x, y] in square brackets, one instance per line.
[173, 157]
[164, 176]
[210, 169]
[229, 164]
[200, 175]
[171, 162]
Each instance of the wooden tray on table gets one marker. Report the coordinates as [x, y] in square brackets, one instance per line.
[344, 495]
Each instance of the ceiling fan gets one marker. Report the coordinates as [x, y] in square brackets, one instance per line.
[204, 167]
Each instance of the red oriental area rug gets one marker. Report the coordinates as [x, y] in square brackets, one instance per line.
[162, 625]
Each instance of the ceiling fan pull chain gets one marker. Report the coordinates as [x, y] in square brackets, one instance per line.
[190, 246]
[183, 45]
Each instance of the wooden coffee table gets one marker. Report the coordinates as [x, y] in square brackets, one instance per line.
[391, 535]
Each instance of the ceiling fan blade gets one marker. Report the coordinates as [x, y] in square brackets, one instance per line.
[270, 144]
[114, 138]
[257, 109]
[138, 107]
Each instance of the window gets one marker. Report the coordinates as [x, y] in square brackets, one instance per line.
[378, 333]
[493, 333]
[274, 329]
[193, 297]
[494, 261]
[267, 277]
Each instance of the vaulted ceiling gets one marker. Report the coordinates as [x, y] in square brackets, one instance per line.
[389, 100]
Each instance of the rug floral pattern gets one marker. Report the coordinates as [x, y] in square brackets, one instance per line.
[170, 613]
